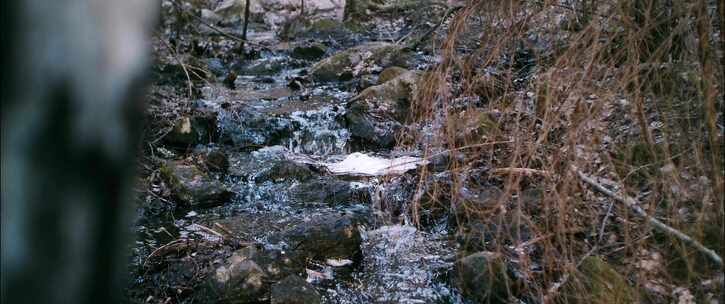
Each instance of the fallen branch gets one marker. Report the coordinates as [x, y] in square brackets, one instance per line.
[635, 205]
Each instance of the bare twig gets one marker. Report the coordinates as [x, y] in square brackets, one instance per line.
[635, 205]
[180, 62]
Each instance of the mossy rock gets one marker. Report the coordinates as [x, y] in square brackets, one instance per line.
[192, 187]
[341, 64]
[390, 73]
[597, 283]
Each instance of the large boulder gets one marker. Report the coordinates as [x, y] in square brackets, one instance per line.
[294, 290]
[359, 60]
[377, 113]
[192, 187]
[482, 277]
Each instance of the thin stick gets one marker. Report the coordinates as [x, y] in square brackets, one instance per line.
[635, 205]
[183, 66]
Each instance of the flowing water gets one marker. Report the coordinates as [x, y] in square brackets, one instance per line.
[265, 124]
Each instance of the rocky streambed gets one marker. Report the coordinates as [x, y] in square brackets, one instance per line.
[279, 184]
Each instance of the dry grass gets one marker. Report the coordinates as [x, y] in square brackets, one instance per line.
[630, 92]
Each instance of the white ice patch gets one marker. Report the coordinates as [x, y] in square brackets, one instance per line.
[362, 164]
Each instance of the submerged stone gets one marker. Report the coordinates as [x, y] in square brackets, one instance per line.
[329, 237]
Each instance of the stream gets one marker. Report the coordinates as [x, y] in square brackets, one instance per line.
[264, 128]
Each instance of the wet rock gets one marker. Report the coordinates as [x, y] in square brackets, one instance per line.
[390, 73]
[294, 290]
[198, 128]
[313, 51]
[359, 60]
[328, 237]
[216, 160]
[245, 127]
[597, 283]
[482, 277]
[192, 187]
[285, 170]
[331, 191]
[239, 281]
[377, 113]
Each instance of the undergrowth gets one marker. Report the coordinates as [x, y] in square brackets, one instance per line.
[528, 94]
